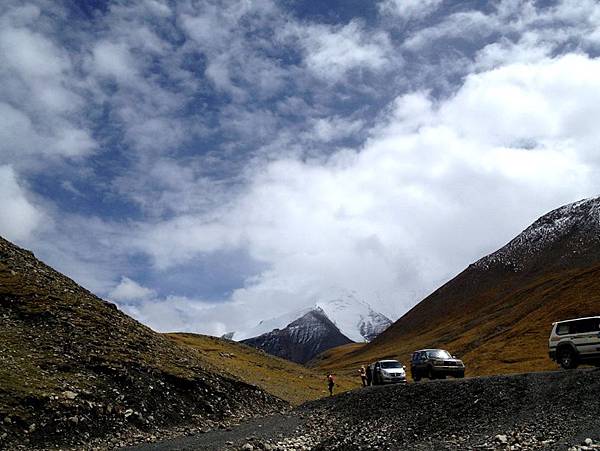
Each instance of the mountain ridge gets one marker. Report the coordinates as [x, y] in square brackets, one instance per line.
[356, 319]
[496, 314]
[302, 339]
[325, 325]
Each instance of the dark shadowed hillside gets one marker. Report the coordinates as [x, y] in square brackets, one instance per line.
[497, 314]
[302, 339]
[73, 367]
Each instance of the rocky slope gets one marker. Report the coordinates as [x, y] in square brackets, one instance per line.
[302, 339]
[74, 369]
[497, 313]
[529, 411]
[540, 411]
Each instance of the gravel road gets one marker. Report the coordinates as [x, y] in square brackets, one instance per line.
[258, 430]
[550, 411]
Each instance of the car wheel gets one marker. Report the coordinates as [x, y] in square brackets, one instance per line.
[442, 376]
[430, 374]
[567, 359]
[460, 375]
[416, 376]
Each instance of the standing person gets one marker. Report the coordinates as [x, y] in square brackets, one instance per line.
[369, 374]
[363, 375]
[330, 383]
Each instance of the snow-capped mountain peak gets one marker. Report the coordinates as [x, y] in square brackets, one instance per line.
[354, 318]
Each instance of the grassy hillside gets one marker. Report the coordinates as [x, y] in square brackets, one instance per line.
[282, 378]
[499, 333]
[73, 367]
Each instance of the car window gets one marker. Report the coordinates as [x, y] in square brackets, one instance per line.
[391, 365]
[438, 354]
[578, 327]
[563, 329]
[584, 326]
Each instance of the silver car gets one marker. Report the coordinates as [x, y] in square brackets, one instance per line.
[575, 341]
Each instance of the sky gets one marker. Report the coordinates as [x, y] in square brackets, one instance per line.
[208, 164]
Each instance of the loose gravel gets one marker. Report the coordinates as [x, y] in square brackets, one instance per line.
[549, 411]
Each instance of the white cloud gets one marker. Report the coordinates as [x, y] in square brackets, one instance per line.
[41, 67]
[333, 128]
[391, 221]
[330, 52]
[114, 60]
[470, 26]
[130, 290]
[228, 116]
[158, 7]
[19, 217]
[529, 49]
[408, 9]
[180, 314]
[40, 96]
[545, 104]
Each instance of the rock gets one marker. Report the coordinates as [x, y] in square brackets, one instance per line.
[502, 439]
[588, 441]
[69, 394]
[247, 447]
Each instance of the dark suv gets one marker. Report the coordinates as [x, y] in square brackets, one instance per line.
[435, 364]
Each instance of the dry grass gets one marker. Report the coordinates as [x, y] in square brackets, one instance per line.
[496, 331]
[287, 380]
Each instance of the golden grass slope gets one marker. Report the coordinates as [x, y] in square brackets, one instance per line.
[495, 332]
[282, 378]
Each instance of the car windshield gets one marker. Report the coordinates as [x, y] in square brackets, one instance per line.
[391, 365]
[438, 354]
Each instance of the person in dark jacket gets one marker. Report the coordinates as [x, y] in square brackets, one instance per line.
[369, 374]
[330, 383]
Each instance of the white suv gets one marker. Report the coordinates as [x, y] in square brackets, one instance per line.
[575, 341]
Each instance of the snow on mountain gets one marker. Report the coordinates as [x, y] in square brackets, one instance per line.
[267, 325]
[579, 221]
[302, 339]
[354, 318]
